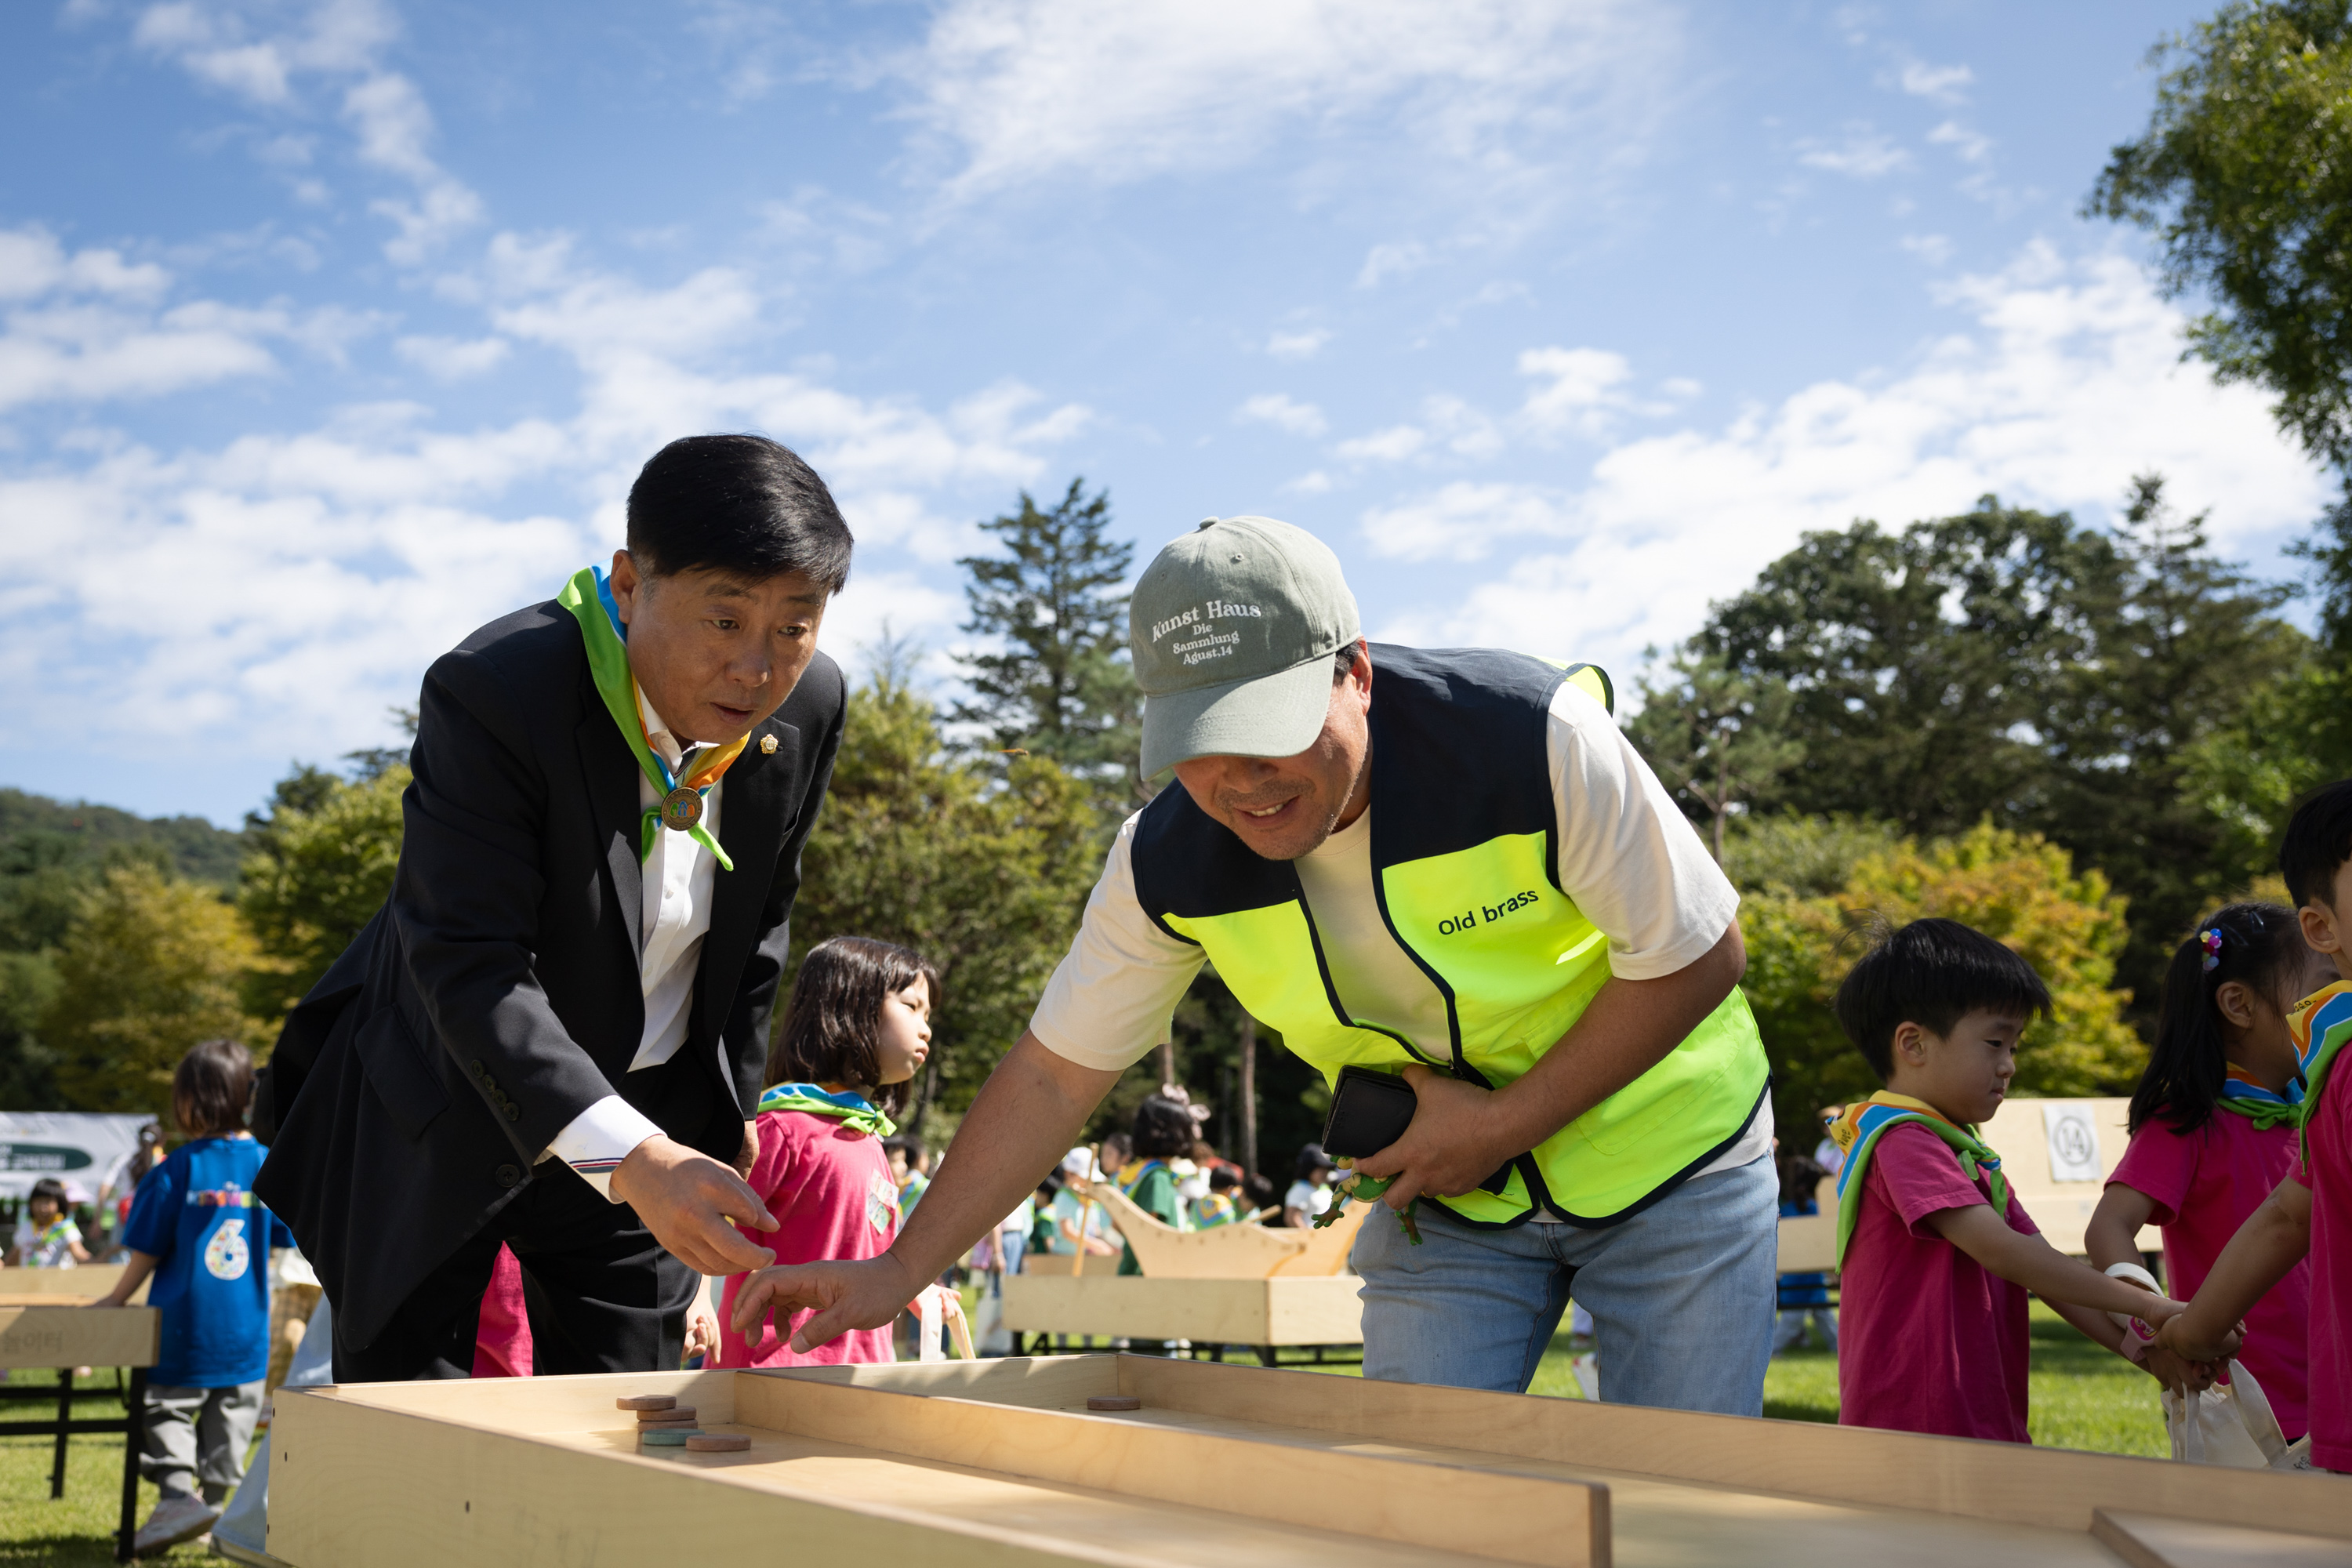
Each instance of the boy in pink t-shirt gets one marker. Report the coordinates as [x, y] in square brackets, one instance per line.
[1938, 1256]
[2309, 1214]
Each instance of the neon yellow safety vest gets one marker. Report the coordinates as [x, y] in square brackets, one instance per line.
[1465, 871]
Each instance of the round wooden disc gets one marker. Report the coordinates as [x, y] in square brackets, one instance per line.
[682, 1415]
[667, 1437]
[1114, 1402]
[646, 1402]
[716, 1443]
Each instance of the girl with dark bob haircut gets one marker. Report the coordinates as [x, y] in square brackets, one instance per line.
[855, 1033]
[829, 1032]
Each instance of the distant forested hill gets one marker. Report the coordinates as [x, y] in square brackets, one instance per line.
[197, 849]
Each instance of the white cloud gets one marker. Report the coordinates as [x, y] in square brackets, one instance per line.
[1279, 410]
[2067, 379]
[1392, 445]
[1297, 345]
[1863, 154]
[1026, 88]
[1935, 249]
[252, 51]
[1314, 482]
[33, 263]
[1393, 259]
[452, 359]
[1973, 147]
[1582, 391]
[298, 582]
[1944, 84]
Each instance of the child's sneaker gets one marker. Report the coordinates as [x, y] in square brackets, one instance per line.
[175, 1518]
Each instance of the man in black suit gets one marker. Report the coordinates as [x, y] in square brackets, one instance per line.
[554, 1034]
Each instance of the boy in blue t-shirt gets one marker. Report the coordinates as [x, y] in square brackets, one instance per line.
[197, 1228]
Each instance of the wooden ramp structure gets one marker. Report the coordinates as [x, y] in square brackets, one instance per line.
[1002, 1462]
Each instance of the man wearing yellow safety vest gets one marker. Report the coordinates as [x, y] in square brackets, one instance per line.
[1448, 865]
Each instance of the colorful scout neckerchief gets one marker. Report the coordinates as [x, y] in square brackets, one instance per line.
[2319, 1028]
[589, 598]
[848, 1107]
[2264, 1107]
[1858, 1132]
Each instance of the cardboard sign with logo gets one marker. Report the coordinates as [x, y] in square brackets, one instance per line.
[2073, 1137]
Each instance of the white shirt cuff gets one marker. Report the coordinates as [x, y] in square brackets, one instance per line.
[599, 1138]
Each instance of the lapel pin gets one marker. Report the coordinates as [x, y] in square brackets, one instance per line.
[767, 745]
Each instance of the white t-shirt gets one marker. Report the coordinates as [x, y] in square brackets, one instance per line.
[1628, 858]
[1304, 1194]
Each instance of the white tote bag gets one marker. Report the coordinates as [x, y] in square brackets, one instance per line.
[2229, 1424]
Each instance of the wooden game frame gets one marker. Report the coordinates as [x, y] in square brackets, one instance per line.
[1278, 1467]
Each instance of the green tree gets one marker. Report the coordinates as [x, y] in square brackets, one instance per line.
[2009, 666]
[1717, 738]
[149, 967]
[2244, 175]
[2017, 888]
[321, 865]
[1060, 684]
[983, 865]
[1922, 664]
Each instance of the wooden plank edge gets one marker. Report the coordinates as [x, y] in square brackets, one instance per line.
[1546, 1522]
[1863, 1465]
[2137, 1538]
[881, 1531]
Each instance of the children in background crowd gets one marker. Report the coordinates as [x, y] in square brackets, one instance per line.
[46, 1238]
[855, 1032]
[1257, 1199]
[1163, 1131]
[1826, 1153]
[2309, 1214]
[1806, 1295]
[2212, 1131]
[195, 1227]
[910, 1168]
[1218, 1207]
[1936, 1253]
[1310, 1192]
[1079, 1223]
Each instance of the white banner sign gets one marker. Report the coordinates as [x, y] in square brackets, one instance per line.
[2073, 1142]
[85, 1151]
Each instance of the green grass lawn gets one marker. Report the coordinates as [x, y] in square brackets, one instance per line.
[2081, 1396]
[76, 1530]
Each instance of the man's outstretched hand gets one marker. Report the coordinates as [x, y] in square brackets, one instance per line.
[866, 1294]
[686, 1199]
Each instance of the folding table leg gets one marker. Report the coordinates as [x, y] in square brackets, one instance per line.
[134, 1443]
[65, 1417]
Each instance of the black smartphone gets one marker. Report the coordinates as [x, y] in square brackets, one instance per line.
[1369, 1110]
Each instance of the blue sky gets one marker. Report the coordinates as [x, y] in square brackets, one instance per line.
[331, 331]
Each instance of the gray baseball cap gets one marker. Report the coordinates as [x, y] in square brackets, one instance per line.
[1234, 627]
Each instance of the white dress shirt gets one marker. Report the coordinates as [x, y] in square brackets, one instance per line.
[678, 877]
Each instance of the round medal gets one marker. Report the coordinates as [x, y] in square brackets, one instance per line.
[681, 808]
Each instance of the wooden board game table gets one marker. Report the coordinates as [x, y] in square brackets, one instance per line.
[66, 1337]
[1265, 1314]
[1002, 1462]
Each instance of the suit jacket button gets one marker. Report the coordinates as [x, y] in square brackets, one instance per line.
[514, 1113]
[508, 1175]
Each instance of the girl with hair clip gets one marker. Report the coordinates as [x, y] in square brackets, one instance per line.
[2213, 1128]
[855, 1032]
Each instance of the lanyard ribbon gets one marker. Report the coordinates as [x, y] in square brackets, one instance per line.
[589, 598]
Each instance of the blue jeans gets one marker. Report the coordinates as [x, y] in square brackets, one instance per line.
[1681, 1296]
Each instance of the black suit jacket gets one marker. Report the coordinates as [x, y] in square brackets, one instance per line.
[495, 994]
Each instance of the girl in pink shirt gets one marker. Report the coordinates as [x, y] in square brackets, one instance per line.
[2213, 1130]
[856, 1031]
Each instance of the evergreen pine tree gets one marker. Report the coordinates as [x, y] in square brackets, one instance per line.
[1060, 683]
